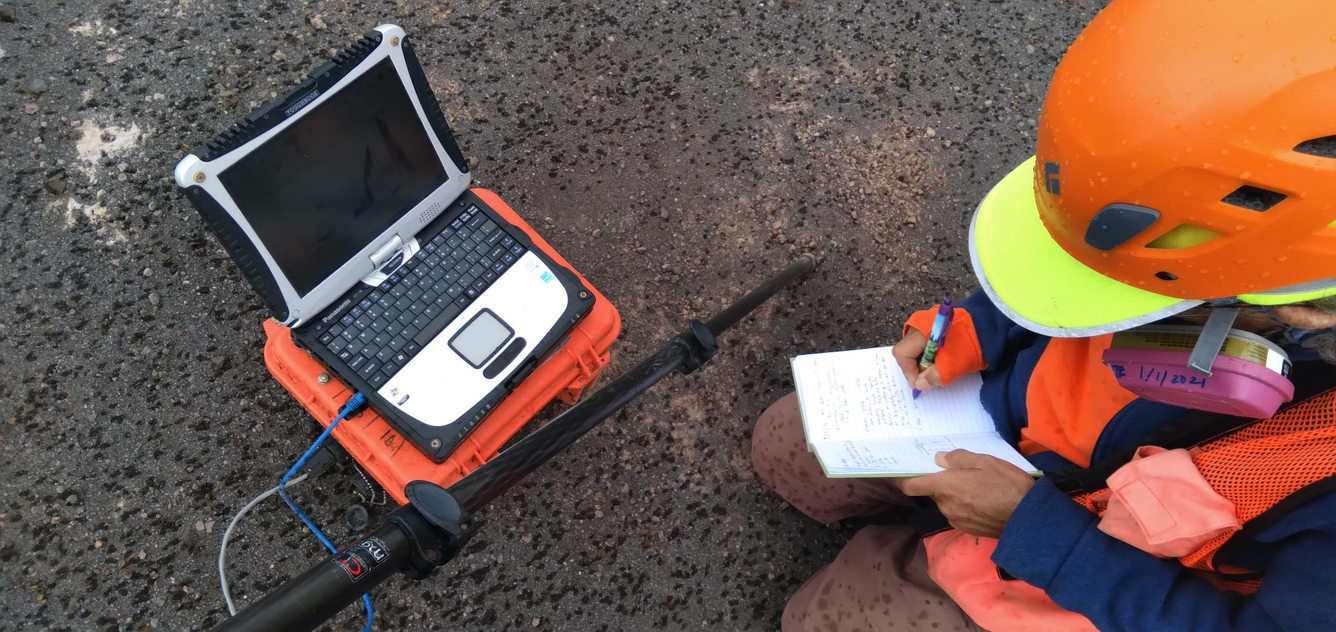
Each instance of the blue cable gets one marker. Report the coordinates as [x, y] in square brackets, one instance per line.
[355, 402]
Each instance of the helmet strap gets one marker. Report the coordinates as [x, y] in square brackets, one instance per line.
[1212, 339]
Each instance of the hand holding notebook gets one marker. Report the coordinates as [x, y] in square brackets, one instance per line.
[862, 420]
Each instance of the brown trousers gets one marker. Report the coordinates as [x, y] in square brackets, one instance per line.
[879, 581]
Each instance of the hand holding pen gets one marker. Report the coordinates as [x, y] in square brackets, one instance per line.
[916, 353]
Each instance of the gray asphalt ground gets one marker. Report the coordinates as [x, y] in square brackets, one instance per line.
[674, 152]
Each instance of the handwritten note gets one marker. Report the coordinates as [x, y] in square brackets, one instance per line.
[861, 419]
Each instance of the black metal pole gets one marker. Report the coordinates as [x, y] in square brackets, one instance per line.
[505, 469]
[310, 599]
[723, 321]
[313, 597]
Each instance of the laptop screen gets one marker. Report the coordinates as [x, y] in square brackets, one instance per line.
[322, 189]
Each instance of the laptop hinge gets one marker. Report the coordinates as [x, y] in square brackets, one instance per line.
[379, 257]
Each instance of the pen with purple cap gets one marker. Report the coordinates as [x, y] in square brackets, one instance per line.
[945, 313]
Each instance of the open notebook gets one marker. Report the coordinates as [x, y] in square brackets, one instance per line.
[861, 420]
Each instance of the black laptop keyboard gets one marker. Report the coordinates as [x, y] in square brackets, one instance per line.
[379, 335]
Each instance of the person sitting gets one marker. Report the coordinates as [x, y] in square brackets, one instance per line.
[1186, 162]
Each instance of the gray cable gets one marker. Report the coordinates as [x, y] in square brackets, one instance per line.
[231, 526]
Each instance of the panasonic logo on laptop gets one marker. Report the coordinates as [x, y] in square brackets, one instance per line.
[303, 102]
[336, 311]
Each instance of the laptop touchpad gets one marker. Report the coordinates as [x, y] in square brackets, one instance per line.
[481, 338]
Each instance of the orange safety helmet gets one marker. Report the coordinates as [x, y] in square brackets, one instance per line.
[1187, 152]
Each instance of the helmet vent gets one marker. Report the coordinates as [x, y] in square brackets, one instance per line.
[1324, 147]
[1166, 276]
[1183, 236]
[1253, 198]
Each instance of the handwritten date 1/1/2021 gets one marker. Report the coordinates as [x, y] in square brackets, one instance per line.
[1151, 375]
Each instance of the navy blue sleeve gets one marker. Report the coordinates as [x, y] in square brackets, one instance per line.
[999, 338]
[1011, 353]
[1130, 428]
[1054, 544]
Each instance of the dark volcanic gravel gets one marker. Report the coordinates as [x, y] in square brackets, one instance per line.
[675, 152]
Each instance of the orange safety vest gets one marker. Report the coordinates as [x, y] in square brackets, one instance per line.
[1265, 467]
[1256, 466]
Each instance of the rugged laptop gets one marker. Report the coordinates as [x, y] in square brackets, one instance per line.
[346, 204]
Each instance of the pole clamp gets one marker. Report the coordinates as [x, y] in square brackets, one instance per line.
[436, 524]
[700, 344]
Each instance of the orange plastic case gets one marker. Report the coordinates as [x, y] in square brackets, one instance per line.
[386, 455]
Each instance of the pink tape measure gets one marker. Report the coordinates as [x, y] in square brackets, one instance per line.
[1248, 378]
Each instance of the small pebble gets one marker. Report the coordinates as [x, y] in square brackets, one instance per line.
[30, 108]
[317, 23]
[535, 623]
[154, 299]
[56, 184]
[148, 272]
[7, 14]
[35, 86]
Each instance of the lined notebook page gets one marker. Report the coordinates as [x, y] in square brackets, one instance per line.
[906, 456]
[863, 394]
[862, 421]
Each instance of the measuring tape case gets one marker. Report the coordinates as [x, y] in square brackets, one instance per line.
[387, 456]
